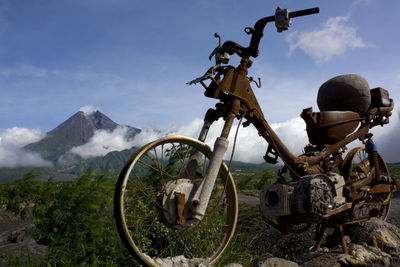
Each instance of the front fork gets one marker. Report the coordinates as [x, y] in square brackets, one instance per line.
[201, 197]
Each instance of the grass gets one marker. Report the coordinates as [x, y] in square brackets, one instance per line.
[240, 248]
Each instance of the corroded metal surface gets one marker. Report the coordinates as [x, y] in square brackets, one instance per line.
[326, 188]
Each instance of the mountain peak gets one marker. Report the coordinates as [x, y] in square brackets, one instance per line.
[75, 131]
[99, 120]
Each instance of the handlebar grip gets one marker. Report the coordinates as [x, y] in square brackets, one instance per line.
[304, 12]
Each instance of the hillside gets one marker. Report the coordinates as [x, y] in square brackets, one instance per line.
[75, 131]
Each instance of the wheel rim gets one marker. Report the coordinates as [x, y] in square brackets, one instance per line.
[357, 167]
[137, 209]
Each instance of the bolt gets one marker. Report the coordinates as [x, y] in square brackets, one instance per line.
[195, 203]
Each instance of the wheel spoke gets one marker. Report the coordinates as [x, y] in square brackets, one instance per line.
[148, 224]
[360, 169]
[155, 169]
[183, 166]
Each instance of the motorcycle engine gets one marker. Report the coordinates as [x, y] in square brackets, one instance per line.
[311, 196]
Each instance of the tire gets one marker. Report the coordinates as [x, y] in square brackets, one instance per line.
[139, 213]
[356, 167]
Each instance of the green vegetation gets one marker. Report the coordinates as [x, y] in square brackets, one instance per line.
[8, 175]
[394, 170]
[73, 219]
[250, 180]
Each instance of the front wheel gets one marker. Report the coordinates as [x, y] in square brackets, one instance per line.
[145, 204]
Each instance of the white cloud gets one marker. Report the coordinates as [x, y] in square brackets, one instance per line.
[250, 147]
[334, 38]
[104, 142]
[89, 109]
[11, 152]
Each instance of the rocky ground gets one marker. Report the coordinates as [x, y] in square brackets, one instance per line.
[367, 244]
[15, 239]
[371, 244]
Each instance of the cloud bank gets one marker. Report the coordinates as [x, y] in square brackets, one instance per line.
[13, 155]
[250, 147]
[333, 38]
[103, 142]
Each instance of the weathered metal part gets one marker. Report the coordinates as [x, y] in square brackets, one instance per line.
[304, 201]
[175, 207]
[319, 235]
[329, 127]
[282, 19]
[180, 206]
[208, 75]
[275, 200]
[382, 188]
[123, 203]
[258, 84]
[344, 245]
[338, 210]
[203, 193]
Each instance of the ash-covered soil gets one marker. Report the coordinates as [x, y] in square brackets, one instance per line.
[296, 247]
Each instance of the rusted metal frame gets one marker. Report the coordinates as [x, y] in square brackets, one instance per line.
[344, 245]
[236, 83]
[358, 134]
[319, 235]
[338, 210]
[205, 188]
[383, 188]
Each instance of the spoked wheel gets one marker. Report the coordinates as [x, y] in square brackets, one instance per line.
[357, 167]
[146, 204]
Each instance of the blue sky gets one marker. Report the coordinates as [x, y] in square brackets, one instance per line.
[131, 59]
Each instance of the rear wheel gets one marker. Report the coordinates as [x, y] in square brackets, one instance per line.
[357, 167]
[145, 204]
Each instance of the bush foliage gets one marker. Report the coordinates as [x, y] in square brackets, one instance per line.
[74, 219]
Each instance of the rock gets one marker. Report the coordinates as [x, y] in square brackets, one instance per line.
[364, 255]
[181, 261]
[277, 262]
[378, 234]
[234, 265]
[16, 237]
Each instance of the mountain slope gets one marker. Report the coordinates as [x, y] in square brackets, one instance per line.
[75, 131]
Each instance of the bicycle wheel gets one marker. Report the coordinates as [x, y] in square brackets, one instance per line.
[357, 167]
[144, 200]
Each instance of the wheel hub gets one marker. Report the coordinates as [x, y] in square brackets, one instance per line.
[176, 210]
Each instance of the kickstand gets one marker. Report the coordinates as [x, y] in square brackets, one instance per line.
[344, 245]
[319, 235]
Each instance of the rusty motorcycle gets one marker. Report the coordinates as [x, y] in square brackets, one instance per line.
[176, 191]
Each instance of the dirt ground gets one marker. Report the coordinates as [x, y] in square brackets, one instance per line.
[268, 242]
[14, 239]
[295, 247]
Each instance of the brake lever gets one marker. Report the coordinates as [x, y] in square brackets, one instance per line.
[209, 73]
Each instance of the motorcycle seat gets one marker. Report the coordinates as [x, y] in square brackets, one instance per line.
[329, 127]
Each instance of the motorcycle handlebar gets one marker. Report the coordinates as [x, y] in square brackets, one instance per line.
[257, 31]
[304, 12]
